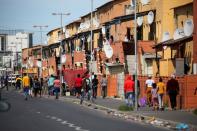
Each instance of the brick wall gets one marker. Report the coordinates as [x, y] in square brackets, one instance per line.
[186, 98]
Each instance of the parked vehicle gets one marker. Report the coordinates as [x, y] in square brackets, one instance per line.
[12, 79]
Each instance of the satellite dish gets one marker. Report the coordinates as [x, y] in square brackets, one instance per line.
[139, 20]
[108, 50]
[164, 47]
[150, 17]
[64, 29]
[39, 64]
[103, 30]
[63, 58]
[178, 33]
[145, 2]
[188, 27]
[166, 36]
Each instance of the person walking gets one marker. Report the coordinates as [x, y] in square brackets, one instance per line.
[6, 82]
[41, 87]
[83, 90]
[36, 86]
[172, 90]
[129, 91]
[78, 85]
[31, 86]
[2, 81]
[160, 92]
[95, 86]
[45, 86]
[149, 85]
[104, 85]
[18, 83]
[26, 84]
[154, 96]
[50, 85]
[57, 85]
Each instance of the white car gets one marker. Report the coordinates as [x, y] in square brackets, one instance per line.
[12, 79]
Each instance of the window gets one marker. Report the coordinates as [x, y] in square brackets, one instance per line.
[152, 31]
[140, 33]
[128, 33]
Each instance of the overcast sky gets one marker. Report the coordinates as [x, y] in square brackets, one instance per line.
[23, 14]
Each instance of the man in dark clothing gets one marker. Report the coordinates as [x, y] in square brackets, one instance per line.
[172, 90]
[95, 86]
[6, 82]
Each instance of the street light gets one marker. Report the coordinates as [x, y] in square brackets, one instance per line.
[41, 27]
[61, 44]
[136, 49]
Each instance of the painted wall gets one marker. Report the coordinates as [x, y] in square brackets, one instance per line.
[53, 36]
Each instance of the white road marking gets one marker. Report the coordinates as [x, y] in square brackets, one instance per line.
[38, 112]
[64, 122]
[53, 117]
[59, 120]
[71, 125]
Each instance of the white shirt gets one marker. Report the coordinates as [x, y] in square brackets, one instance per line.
[150, 82]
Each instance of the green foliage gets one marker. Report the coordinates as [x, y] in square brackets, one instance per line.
[125, 108]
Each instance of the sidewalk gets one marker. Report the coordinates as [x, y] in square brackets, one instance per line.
[173, 117]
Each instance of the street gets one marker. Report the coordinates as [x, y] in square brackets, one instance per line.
[41, 114]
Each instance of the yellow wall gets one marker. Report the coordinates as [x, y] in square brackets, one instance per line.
[165, 14]
[166, 67]
[189, 54]
[53, 36]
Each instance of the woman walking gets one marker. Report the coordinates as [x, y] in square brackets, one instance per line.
[104, 85]
[160, 92]
[57, 87]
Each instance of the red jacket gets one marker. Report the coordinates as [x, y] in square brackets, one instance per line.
[129, 85]
[78, 82]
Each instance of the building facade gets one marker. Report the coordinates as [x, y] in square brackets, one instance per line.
[11, 45]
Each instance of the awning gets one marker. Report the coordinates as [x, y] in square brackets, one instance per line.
[172, 42]
[113, 64]
[151, 56]
[120, 19]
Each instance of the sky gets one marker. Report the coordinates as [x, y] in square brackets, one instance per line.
[23, 14]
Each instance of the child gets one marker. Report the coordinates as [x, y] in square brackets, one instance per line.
[154, 96]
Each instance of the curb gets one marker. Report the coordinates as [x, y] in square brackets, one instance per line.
[167, 124]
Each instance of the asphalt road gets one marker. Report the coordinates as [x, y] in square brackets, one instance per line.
[41, 114]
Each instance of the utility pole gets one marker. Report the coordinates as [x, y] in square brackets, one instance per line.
[136, 56]
[61, 43]
[41, 27]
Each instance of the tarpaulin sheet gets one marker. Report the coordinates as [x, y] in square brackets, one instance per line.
[70, 75]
